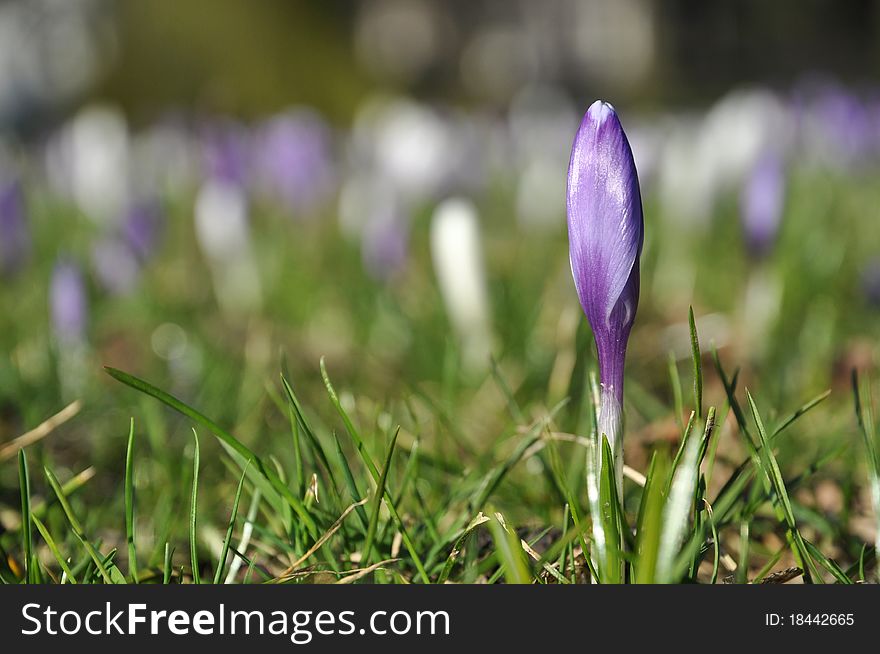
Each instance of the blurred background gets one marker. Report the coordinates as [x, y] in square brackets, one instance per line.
[202, 193]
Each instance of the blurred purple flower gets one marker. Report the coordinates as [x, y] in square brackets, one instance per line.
[836, 125]
[762, 202]
[847, 124]
[15, 240]
[384, 246]
[605, 231]
[115, 265]
[226, 152]
[141, 228]
[67, 303]
[294, 159]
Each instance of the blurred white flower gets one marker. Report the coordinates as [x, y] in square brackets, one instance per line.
[409, 144]
[165, 159]
[456, 249]
[362, 196]
[223, 234]
[737, 129]
[685, 186]
[89, 162]
[705, 157]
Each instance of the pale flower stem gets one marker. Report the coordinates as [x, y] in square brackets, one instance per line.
[611, 426]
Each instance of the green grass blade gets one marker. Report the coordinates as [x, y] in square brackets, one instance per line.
[726, 497]
[306, 428]
[730, 391]
[76, 525]
[27, 534]
[193, 514]
[677, 397]
[509, 552]
[649, 523]
[224, 550]
[224, 436]
[685, 439]
[698, 365]
[40, 509]
[167, 564]
[768, 566]
[864, 406]
[828, 564]
[459, 544]
[512, 405]
[377, 498]
[53, 547]
[353, 491]
[570, 500]
[598, 543]
[770, 469]
[129, 505]
[564, 553]
[716, 546]
[298, 464]
[742, 566]
[801, 410]
[374, 471]
[494, 477]
[611, 517]
[349, 425]
[676, 512]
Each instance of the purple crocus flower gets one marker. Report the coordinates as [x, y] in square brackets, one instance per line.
[384, 245]
[67, 303]
[15, 241]
[761, 203]
[226, 151]
[294, 159]
[606, 233]
[141, 228]
[836, 127]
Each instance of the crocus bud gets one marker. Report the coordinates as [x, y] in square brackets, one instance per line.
[762, 202]
[605, 232]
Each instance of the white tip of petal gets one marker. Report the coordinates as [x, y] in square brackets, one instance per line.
[600, 111]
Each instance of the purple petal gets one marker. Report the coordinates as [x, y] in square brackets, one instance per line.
[605, 230]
